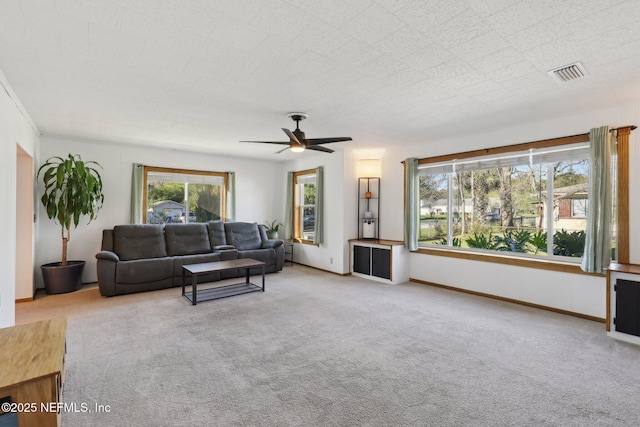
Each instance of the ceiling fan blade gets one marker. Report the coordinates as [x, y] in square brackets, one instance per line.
[294, 139]
[270, 142]
[317, 148]
[280, 151]
[317, 141]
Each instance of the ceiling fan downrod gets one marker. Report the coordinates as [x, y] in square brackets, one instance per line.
[297, 117]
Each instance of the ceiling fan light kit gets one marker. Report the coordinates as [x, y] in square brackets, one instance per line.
[298, 142]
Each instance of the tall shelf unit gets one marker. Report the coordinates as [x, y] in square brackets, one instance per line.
[368, 208]
[371, 257]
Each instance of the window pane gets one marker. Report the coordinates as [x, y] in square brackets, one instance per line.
[205, 202]
[433, 208]
[308, 222]
[462, 207]
[167, 192]
[570, 192]
[487, 194]
[165, 201]
[528, 197]
[305, 199]
[309, 195]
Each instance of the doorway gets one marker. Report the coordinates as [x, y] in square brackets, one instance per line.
[24, 226]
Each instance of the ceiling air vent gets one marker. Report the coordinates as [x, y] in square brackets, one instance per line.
[568, 72]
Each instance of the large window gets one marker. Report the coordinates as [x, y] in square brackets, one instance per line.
[174, 195]
[530, 201]
[304, 199]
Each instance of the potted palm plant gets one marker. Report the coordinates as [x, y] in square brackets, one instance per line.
[272, 229]
[72, 189]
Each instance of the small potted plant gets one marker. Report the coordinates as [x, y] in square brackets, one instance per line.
[272, 229]
[72, 188]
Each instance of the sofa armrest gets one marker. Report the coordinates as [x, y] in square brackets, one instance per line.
[274, 243]
[106, 266]
[223, 248]
[108, 255]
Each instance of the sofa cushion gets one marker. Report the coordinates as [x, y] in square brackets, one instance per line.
[179, 261]
[263, 233]
[243, 235]
[144, 270]
[139, 241]
[217, 236]
[268, 256]
[187, 239]
[107, 240]
[131, 288]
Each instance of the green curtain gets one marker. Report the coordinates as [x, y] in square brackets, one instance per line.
[597, 250]
[288, 214]
[412, 198]
[230, 213]
[319, 211]
[137, 184]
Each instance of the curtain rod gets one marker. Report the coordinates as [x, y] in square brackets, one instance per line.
[632, 127]
[487, 150]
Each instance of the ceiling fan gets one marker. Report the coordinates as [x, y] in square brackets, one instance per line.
[297, 140]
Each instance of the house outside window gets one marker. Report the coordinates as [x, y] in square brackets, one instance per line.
[177, 195]
[530, 203]
[304, 199]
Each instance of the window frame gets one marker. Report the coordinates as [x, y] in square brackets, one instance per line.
[147, 169]
[297, 233]
[622, 218]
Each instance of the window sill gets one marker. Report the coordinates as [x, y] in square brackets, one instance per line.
[552, 265]
[305, 241]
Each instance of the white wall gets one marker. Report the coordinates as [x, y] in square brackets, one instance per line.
[576, 293]
[15, 129]
[261, 187]
[258, 198]
[349, 205]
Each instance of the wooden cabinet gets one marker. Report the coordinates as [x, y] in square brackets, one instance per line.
[32, 371]
[380, 260]
[623, 302]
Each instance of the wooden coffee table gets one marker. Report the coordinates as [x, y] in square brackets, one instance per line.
[220, 291]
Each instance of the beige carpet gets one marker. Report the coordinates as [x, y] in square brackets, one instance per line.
[322, 350]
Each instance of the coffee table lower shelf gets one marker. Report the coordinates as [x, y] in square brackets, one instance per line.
[223, 292]
[196, 296]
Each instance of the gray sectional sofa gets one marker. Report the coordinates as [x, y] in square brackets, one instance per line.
[145, 257]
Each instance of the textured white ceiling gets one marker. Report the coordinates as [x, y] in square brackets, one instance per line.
[202, 75]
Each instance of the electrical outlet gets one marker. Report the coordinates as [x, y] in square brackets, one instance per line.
[331, 260]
